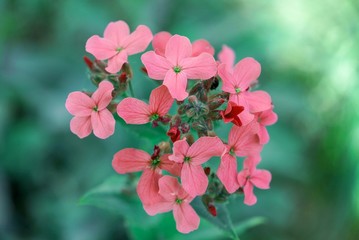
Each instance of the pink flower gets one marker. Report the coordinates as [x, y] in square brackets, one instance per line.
[178, 66]
[117, 44]
[175, 198]
[238, 83]
[160, 41]
[193, 177]
[227, 56]
[265, 118]
[250, 177]
[90, 113]
[242, 141]
[133, 160]
[135, 111]
[231, 114]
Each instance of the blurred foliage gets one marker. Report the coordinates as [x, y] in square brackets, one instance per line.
[309, 56]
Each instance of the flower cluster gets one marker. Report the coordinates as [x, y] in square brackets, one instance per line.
[177, 170]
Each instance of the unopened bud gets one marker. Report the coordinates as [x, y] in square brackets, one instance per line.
[144, 70]
[165, 147]
[211, 134]
[189, 138]
[126, 68]
[183, 108]
[122, 78]
[215, 115]
[207, 170]
[192, 99]
[174, 134]
[212, 210]
[165, 119]
[88, 62]
[215, 103]
[199, 126]
[196, 88]
[184, 127]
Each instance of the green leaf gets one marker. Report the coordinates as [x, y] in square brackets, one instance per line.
[116, 195]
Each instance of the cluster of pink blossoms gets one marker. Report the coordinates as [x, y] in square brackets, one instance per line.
[175, 172]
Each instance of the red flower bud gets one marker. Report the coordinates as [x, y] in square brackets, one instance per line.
[231, 114]
[88, 62]
[212, 210]
[207, 170]
[174, 134]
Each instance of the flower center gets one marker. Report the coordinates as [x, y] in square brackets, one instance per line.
[179, 201]
[238, 90]
[95, 109]
[187, 159]
[155, 162]
[231, 151]
[119, 49]
[154, 116]
[177, 69]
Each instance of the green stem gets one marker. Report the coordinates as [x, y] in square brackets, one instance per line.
[131, 89]
[228, 216]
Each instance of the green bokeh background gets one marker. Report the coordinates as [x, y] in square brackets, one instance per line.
[309, 54]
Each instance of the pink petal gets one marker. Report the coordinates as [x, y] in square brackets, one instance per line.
[227, 173]
[169, 188]
[261, 178]
[186, 218]
[115, 63]
[194, 180]
[249, 197]
[258, 101]
[176, 84]
[244, 140]
[242, 177]
[137, 41]
[201, 67]
[177, 48]
[170, 166]
[227, 56]
[116, 32]
[147, 190]
[103, 123]
[160, 206]
[103, 95]
[130, 160]
[205, 148]
[251, 162]
[81, 126]
[201, 46]
[101, 48]
[263, 135]
[245, 72]
[268, 117]
[133, 111]
[79, 104]
[159, 42]
[160, 101]
[229, 84]
[180, 149]
[156, 65]
[245, 116]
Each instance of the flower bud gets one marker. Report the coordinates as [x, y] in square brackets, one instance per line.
[207, 170]
[165, 147]
[215, 103]
[189, 138]
[174, 134]
[88, 62]
[196, 88]
[212, 210]
[184, 127]
[183, 108]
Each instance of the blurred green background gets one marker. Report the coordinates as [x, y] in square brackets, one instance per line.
[309, 54]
